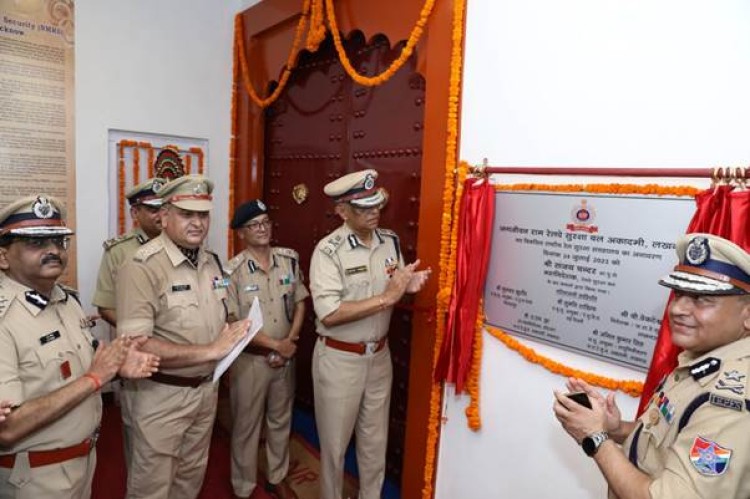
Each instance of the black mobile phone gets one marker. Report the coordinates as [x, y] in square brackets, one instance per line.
[580, 398]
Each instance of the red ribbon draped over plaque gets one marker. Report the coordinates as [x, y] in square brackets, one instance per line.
[476, 216]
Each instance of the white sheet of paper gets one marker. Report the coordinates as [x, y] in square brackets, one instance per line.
[256, 323]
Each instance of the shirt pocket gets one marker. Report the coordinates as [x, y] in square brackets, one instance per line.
[58, 362]
[182, 309]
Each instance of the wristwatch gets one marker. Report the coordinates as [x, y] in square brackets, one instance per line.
[592, 443]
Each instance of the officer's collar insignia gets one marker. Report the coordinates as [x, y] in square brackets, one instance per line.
[709, 458]
[42, 208]
[36, 299]
[697, 251]
[705, 367]
[252, 266]
[353, 240]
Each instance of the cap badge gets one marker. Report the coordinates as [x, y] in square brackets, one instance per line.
[42, 208]
[262, 205]
[369, 181]
[200, 188]
[697, 251]
[156, 186]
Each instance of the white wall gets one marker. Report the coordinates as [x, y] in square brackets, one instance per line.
[610, 83]
[157, 66]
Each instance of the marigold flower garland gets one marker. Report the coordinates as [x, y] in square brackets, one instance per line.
[406, 52]
[473, 415]
[239, 41]
[632, 388]
[232, 149]
[448, 234]
[317, 31]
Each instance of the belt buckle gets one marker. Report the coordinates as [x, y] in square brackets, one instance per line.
[370, 347]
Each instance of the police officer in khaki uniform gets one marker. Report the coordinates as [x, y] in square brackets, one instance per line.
[50, 368]
[357, 275]
[173, 291]
[262, 378]
[144, 210]
[693, 440]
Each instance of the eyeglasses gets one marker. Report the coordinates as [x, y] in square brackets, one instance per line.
[256, 226]
[38, 243]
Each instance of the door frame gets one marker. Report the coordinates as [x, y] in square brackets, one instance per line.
[269, 30]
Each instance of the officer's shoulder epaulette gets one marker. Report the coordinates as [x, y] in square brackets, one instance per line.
[387, 232]
[111, 243]
[234, 263]
[287, 252]
[217, 260]
[148, 250]
[331, 245]
[730, 385]
[6, 298]
[70, 292]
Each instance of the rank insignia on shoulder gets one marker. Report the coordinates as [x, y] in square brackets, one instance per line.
[356, 270]
[4, 302]
[180, 287]
[43, 340]
[251, 287]
[726, 402]
[734, 375]
[709, 458]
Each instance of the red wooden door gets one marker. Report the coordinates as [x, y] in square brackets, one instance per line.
[323, 126]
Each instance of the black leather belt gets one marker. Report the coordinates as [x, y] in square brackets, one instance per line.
[171, 379]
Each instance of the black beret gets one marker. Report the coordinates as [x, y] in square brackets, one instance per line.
[247, 211]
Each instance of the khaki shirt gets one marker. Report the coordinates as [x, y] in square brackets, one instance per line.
[278, 291]
[710, 455]
[344, 269]
[161, 294]
[117, 251]
[43, 348]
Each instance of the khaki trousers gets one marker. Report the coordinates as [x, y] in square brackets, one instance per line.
[258, 390]
[352, 393]
[67, 480]
[171, 435]
[126, 394]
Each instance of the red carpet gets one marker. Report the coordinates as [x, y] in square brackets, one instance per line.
[110, 476]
